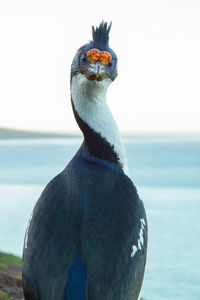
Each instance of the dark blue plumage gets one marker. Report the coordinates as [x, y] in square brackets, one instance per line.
[101, 36]
[87, 238]
[56, 232]
[75, 288]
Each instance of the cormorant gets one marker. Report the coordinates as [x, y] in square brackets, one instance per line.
[87, 238]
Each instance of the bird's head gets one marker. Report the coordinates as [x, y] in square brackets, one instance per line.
[96, 61]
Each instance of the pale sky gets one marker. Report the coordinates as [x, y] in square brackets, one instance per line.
[158, 47]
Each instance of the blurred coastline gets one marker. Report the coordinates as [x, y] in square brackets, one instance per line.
[10, 133]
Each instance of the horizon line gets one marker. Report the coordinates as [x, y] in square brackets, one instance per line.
[77, 133]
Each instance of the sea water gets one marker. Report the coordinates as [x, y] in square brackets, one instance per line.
[167, 176]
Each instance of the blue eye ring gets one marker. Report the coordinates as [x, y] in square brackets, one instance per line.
[84, 60]
[110, 65]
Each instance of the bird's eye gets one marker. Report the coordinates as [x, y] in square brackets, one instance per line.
[84, 60]
[110, 65]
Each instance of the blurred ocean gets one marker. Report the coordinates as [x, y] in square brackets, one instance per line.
[167, 175]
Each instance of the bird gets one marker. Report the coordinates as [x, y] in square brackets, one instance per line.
[87, 236]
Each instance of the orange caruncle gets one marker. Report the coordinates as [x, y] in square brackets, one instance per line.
[105, 57]
[94, 55]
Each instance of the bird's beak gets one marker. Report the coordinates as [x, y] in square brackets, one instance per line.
[96, 71]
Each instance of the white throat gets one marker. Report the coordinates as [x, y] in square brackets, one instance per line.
[89, 99]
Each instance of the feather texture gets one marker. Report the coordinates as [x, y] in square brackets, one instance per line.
[101, 35]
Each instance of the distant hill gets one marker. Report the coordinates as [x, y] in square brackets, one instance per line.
[6, 133]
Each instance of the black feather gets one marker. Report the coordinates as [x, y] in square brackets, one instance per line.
[101, 35]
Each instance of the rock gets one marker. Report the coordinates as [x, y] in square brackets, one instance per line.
[10, 277]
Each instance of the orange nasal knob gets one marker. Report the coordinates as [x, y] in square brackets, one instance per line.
[94, 55]
[105, 57]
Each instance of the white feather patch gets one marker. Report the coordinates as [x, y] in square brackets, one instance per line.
[27, 229]
[140, 241]
[89, 99]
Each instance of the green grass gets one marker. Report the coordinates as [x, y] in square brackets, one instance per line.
[5, 295]
[18, 277]
[3, 266]
[10, 258]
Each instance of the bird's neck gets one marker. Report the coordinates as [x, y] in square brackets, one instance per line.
[101, 134]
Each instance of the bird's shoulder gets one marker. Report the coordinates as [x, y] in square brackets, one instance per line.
[85, 169]
[104, 186]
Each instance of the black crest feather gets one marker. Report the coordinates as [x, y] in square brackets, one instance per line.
[101, 35]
